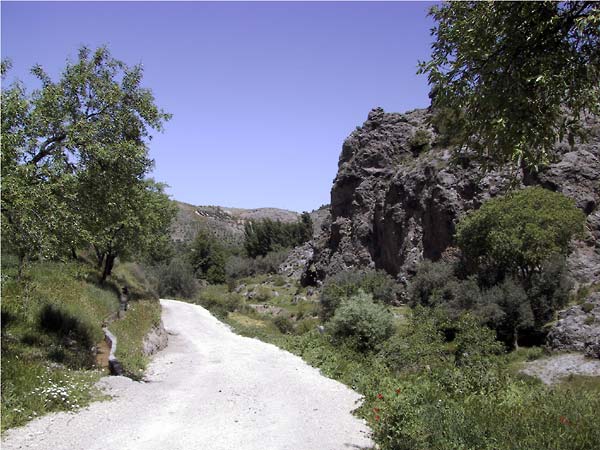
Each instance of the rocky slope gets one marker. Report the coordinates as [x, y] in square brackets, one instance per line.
[226, 223]
[398, 196]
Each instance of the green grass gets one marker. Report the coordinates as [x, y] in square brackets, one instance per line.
[31, 389]
[130, 332]
[51, 319]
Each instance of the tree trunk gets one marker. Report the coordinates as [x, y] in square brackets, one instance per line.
[73, 253]
[99, 256]
[108, 265]
[516, 340]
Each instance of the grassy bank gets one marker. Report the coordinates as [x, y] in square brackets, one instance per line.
[51, 322]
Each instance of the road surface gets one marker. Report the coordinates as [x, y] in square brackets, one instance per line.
[209, 389]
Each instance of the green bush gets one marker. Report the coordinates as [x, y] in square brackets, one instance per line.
[176, 279]
[420, 141]
[347, 283]
[420, 345]
[429, 285]
[218, 300]
[264, 236]
[587, 307]
[283, 324]
[515, 234]
[361, 322]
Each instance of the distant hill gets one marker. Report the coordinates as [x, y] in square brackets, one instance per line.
[226, 223]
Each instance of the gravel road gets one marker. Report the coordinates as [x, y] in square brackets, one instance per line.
[209, 389]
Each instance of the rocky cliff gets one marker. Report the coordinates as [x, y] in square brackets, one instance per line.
[399, 194]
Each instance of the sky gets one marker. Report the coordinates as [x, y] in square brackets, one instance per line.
[262, 94]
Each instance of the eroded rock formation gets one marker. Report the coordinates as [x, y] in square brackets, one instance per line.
[399, 194]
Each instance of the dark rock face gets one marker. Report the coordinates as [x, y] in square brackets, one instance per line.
[578, 328]
[394, 203]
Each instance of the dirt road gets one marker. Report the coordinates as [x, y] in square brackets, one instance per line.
[209, 389]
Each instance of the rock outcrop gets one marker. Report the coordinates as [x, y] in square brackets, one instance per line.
[156, 340]
[400, 192]
[578, 328]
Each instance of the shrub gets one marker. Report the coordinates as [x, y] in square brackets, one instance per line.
[177, 279]
[344, 284]
[429, 285]
[283, 324]
[587, 307]
[360, 321]
[265, 236]
[420, 345]
[208, 256]
[218, 300]
[517, 233]
[420, 141]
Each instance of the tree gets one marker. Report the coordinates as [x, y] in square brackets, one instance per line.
[75, 158]
[208, 258]
[515, 77]
[517, 233]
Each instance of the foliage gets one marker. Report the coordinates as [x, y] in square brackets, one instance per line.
[237, 267]
[74, 158]
[428, 284]
[420, 345]
[517, 76]
[362, 322]
[344, 284]
[208, 257]
[283, 324]
[264, 236]
[176, 279]
[420, 141]
[510, 307]
[218, 300]
[515, 234]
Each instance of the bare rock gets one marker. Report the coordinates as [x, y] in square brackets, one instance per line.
[578, 328]
[394, 204]
[156, 340]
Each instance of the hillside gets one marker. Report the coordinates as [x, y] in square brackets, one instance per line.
[228, 223]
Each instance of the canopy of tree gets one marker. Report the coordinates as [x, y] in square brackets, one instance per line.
[513, 78]
[517, 233]
[75, 161]
[264, 236]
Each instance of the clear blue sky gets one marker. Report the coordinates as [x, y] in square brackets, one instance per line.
[263, 94]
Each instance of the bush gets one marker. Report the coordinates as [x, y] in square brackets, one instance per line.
[420, 141]
[360, 321]
[176, 279]
[421, 345]
[283, 324]
[347, 283]
[517, 233]
[429, 285]
[218, 300]
[265, 236]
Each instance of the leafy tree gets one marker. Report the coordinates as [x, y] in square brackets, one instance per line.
[264, 236]
[515, 77]
[208, 258]
[345, 284]
[517, 233]
[364, 323]
[74, 159]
